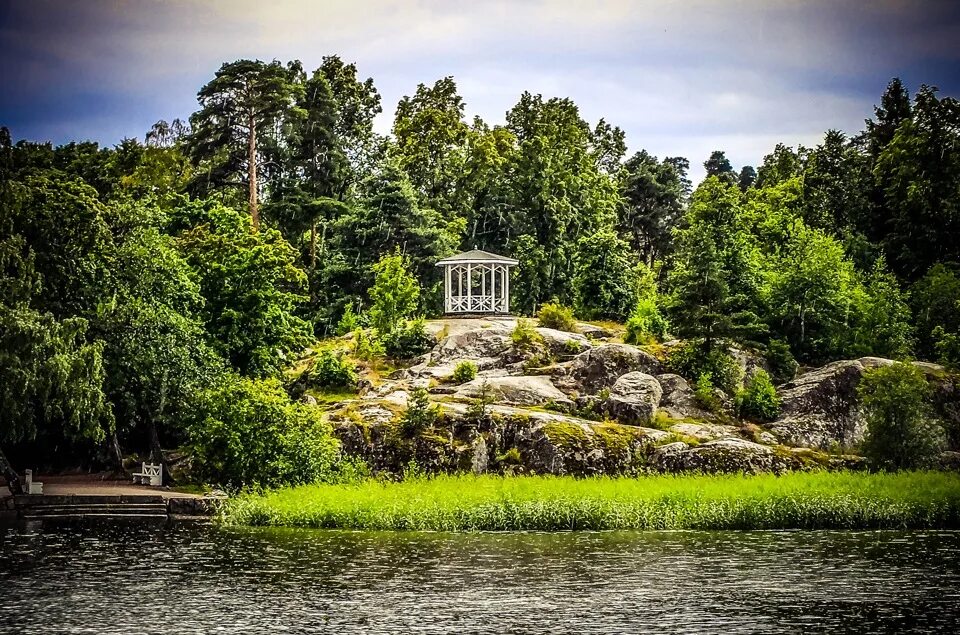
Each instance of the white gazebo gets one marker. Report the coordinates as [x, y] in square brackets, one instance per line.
[476, 282]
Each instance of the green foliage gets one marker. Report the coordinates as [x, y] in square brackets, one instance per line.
[247, 431]
[466, 502]
[691, 359]
[604, 284]
[367, 347]
[50, 378]
[758, 398]
[555, 316]
[946, 347]
[408, 340]
[704, 394]
[250, 284]
[651, 204]
[420, 414]
[479, 409]
[646, 323]
[332, 370]
[935, 300]
[465, 371]
[524, 336]
[782, 364]
[394, 294]
[349, 321]
[902, 432]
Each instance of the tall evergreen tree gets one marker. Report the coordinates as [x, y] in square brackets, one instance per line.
[239, 111]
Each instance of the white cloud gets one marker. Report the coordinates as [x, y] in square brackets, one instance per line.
[682, 78]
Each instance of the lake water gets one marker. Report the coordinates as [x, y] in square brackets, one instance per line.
[122, 578]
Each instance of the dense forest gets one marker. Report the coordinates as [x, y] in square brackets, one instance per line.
[153, 292]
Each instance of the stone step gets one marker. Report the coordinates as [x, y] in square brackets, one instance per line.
[65, 515]
[96, 509]
[25, 501]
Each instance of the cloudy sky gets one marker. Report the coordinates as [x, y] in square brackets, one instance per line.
[681, 78]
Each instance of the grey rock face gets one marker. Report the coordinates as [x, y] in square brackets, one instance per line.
[820, 408]
[473, 344]
[523, 390]
[634, 398]
[678, 401]
[601, 366]
[723, 456]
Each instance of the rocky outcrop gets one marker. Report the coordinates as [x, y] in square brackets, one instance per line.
[562, 343]
[509, 440]
[723, 456]
[678, 401]
[820, 408]
[634, 398]
[601, 366]
[481, 343]
[523, 390]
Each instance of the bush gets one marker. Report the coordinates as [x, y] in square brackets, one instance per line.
[901, 430]
[525, 336]
[331, 370]
[407, 340]
[782, 364]
[758, 399]
[947, 347]
[349, 321]
[394, 293]
[464, 372]
[646, 324]
[690, 359]
[420, 413]
[248, 432]
[704, 394]
[556, 316]
[366, 347]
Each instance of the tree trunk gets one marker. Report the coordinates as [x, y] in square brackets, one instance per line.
[252, 173]
[117, 454]
[13, 479]
[313, 246]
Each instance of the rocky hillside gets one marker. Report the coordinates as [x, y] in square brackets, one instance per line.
[583, 403]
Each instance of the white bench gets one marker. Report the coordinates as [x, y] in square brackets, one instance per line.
[149, 474]
[31, 486]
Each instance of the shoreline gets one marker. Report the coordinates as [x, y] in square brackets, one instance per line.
[797, 501]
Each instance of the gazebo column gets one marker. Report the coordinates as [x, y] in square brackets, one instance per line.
[506, 289]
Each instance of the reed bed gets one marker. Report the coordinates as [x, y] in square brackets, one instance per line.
[814, 500]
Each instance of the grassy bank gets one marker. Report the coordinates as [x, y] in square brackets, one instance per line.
[490, 503]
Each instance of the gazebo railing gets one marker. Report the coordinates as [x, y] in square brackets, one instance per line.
[476, 304]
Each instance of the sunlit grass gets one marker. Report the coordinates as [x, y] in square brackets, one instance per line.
[818, 500]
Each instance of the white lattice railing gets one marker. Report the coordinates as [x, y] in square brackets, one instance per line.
[476, 304]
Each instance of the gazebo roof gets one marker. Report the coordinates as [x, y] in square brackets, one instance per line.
[475, 256]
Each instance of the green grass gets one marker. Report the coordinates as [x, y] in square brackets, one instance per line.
[815, 500]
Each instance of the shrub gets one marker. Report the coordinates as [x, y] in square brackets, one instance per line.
[646, 323]
[525, 336]
[407, 340]
[349, 321]
[556, 316]
[464, 372]
[420, 413]
[758, 399]
[394, 293]
[947, 347]
[782, 364]
[690, 359]
[901, 430]
[331, 370]
[248, 432]
[572, 347]
[479, 409]
[704, 394]
[366, 347]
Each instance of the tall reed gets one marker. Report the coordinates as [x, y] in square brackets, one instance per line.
[816, 500]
